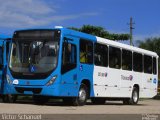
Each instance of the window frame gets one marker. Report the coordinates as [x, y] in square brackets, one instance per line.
[142, 63]
[131, 60]
[146, 64]
[119, 65]
[68, 66]
[104, 56]
[86, 56]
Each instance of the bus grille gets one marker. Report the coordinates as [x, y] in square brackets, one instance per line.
[34, 90]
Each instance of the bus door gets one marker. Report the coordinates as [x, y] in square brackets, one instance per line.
[1, 65]
[69, 69]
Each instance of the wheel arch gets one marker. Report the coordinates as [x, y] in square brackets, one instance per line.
[88, 84]
[137, 86]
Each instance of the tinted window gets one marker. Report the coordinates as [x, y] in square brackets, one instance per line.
[101, 55]
[114, 57]
[147, 64]
[137, 62]
[126, 60]
[68, 57]
[86, 52]
[154, 65]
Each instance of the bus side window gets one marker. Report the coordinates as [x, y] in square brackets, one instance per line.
[86, 51]
[147, 64]
[101, 55]
[126, 60]
[137, 62]
[114, 57]
[69, 56]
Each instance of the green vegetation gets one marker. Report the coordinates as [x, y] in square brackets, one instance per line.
[101, 32]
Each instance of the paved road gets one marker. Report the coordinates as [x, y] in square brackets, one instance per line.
[145, 107]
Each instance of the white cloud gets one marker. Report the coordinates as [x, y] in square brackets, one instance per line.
[31, 13]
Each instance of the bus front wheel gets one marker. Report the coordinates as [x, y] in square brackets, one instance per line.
[81, 99]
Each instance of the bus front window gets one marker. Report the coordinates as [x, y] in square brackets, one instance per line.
[33, 59]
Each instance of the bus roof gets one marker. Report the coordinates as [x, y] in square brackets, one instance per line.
[125, 46]
[71, 32]
[110, 42]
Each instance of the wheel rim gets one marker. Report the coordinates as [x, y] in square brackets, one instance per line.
[135, 96]
[82, 95]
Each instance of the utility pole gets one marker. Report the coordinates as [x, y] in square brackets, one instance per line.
[131, 32]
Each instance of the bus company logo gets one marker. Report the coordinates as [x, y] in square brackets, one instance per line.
[130, 78]
[101, 74]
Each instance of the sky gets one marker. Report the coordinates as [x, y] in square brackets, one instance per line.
[113, 15]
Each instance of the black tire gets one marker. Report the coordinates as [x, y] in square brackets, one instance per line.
[9, 98]
[82, 97]
[40, 100]
[98, 101]
[134, 98]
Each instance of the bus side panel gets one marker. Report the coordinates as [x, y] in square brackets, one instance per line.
[128, 79]
[149, 85]
[100, 82]
[106, 82]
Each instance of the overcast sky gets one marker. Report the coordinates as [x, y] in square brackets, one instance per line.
[113, 15]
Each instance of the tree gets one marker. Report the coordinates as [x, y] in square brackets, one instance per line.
[101, 32]
[152, 44]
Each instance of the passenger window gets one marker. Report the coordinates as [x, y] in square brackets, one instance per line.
[147, 64]
[86, 52]
[69, 56]
[101, 55]
[137, 62]
[126, 60]
[154, 65]
[114, 57]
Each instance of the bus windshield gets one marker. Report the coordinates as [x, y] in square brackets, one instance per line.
[33, 59]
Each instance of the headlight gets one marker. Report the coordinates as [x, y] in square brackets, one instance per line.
[8, 79]
[51, 81]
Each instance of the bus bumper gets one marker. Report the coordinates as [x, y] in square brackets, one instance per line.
[57, 90]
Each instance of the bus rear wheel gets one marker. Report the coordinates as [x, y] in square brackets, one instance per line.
[134, 98]
[81, 99]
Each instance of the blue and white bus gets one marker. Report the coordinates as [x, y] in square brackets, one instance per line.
[76, 66]
[5, 43]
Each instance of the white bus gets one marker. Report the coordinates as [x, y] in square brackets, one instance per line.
[129, 73]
